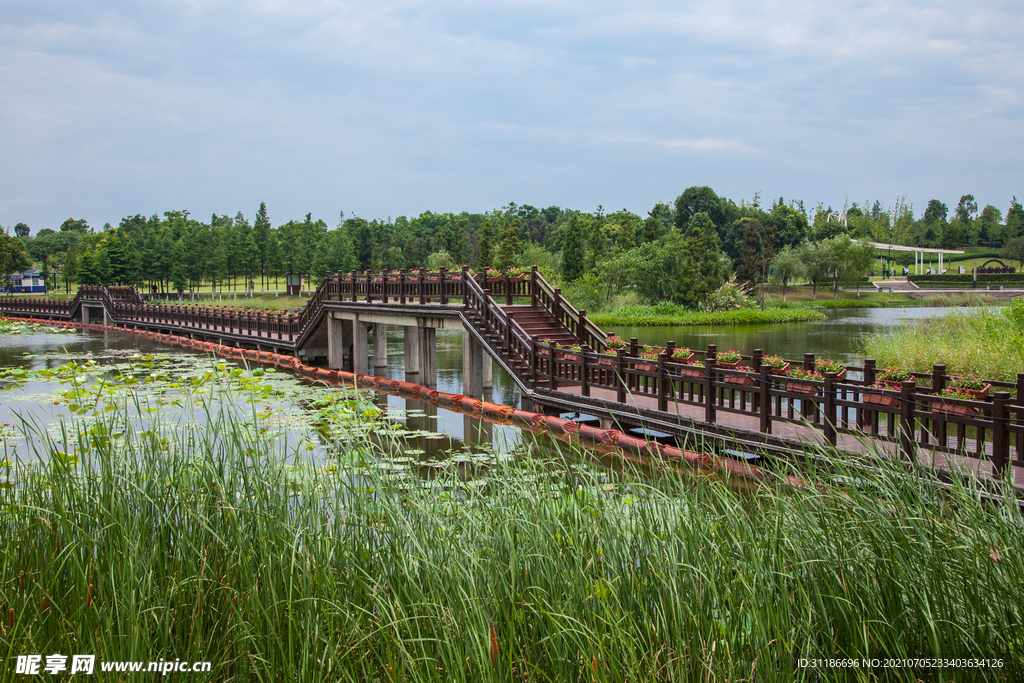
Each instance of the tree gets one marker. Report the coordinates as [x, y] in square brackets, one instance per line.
[785, 266]
[696, 200]
[1014, 249]
[22, 230]
[75, 225]
[1014, 220]
[967, 209]
[707, 256]
[117, 259]
[13, 257]
[486, 246]
[574, 250]
[510, 247]
[817, 264]
[935, 213]
[261, 235]
[87, 271]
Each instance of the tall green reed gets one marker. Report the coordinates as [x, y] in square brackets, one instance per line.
[218, 542]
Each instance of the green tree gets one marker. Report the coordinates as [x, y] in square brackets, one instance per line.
[75, 225]
[509, 247]
[785, 266]
[87, 271]
[486, 246]
[696, 200]
[13, 257]
[708, 259]
[574, 250]
[261, 235]
[22, 230]
[1014, 220]
[118, 259]
[1014, 249]
[817, 262]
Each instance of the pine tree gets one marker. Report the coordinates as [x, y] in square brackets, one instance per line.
[510, 248]
[574, 250]
[261, 234]
[486, 246]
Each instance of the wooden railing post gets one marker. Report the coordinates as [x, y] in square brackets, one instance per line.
[421, 284]
[709, 386]
[383, 287]
[443, 272]
[508, 288]
[352, 284]
[712, 352]
[765, 399]
[1000, 440]
[755, 363]
[533, 361]
[620, 372]
[907, 398]
[1019, 400]
[465, 285]
[809, 362]
[663, 383]
[533, 286]
[581, 327]
[552, 375]
[401, 286]
[938, 427]
[829, 407]
[585, 372]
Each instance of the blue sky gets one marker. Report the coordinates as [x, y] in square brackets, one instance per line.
[390, 108]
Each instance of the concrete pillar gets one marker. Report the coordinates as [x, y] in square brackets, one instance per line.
[428, 357]
[413, 352]
[472, 366]
[488, 367]
[380, 345]
[940, 263]
[85, 314]
[336, 343]
[477, 432]
[360, 362]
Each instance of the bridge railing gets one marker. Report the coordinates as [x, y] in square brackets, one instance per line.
[912, 417]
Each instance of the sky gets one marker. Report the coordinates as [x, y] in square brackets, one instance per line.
[394, 107]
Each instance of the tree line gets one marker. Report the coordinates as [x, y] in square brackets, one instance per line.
[680, 251]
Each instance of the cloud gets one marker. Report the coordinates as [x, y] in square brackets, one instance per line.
[399, 106]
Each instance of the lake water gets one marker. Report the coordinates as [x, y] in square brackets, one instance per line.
[839, 336]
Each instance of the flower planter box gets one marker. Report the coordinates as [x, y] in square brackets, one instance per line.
[880, 399]
[729, 366]
[606, 361]
[680, 359]
[569, 356]
[779, 371]
[694, 372]
[978, 394]
[516, 278]
[741, 380]
[944, 408]
[645, 367]
[801, 388]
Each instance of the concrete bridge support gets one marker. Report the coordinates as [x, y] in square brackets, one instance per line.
[474, 358]
[413, 352]
[360, 358]
[380, 346]
[339, 342]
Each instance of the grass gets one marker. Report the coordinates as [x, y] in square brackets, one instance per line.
[987, 344]
[668, 314]
[201, 542]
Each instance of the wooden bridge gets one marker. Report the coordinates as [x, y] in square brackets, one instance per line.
[530, 331]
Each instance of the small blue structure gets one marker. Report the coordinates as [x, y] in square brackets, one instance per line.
[26, 282]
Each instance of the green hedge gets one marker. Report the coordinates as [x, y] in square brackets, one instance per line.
[643, 316]
[1010, 279]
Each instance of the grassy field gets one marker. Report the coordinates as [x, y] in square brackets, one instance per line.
[983, 343]
[213, 542]
[665, 314]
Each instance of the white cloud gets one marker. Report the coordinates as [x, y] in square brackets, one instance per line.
[407, 105]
